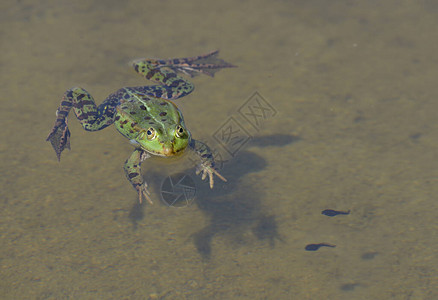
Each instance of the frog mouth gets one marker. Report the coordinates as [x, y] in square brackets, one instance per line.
[166, 152]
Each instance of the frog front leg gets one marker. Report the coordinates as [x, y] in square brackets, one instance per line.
[207, 165]
[133, 173]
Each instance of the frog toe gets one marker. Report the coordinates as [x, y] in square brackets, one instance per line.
[211, 174]
[143, 192]
[210, 171]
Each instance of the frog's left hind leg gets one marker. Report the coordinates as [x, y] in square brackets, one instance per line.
[91, 117]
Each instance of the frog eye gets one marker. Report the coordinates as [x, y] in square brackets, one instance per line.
[151, 133]
[179, 131]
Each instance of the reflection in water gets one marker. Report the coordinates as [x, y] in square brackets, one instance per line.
[239, 209]
[266, 228]
[136, 213]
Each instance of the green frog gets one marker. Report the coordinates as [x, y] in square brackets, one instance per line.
[145, 115]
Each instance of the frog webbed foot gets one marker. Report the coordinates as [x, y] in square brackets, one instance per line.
[207, 64]
[59, 137]
[207, 169]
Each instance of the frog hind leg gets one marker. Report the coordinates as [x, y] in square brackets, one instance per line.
[59, 137]
[171, 85]
[207, 64]
[207, 165]
[92, 118]
[133, 173]
[164, 72]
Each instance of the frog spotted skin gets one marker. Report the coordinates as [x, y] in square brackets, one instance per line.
[145, 115]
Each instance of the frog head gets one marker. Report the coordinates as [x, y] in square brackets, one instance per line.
[164, 140]
[153, 124]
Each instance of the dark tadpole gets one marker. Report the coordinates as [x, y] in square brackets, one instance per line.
[314, 247]
[332, 213]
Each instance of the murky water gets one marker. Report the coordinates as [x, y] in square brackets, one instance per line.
[350, 89]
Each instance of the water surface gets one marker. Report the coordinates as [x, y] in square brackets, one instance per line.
[354, 88]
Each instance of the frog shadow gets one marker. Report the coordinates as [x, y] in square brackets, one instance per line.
[236, 208]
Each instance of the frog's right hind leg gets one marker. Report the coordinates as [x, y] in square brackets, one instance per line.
[91, 117]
